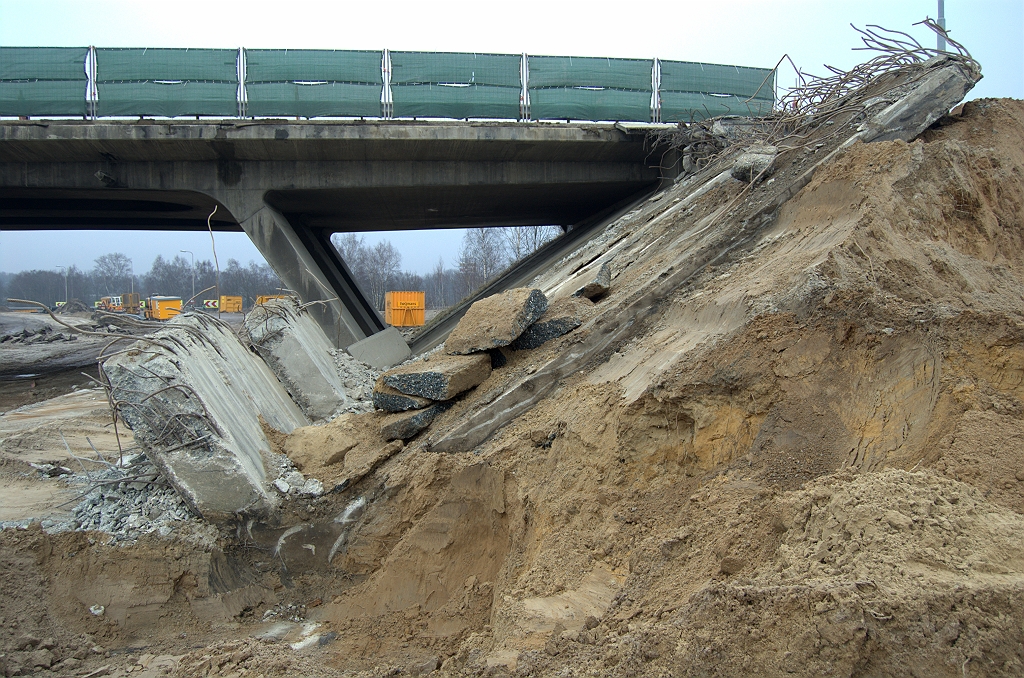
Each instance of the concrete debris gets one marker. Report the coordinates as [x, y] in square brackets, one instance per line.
[392, 400]
[194, 397]
[599, 286]
[440, 377]
[496, 321]
[292, 343]
[406, 425]
[295, 483]
[753, 162]
[925, 99]
[381, 350]
[562, 317]
[358, 379]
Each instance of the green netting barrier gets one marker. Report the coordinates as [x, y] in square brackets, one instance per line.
[43, 97]
[140, 64]
[500, 70]
[589, 104]
[685, 76]
[167, 99]
[310, 65]
[690, 106]
[43, 63]
[440, 101]
[329, 99]
[556, 71]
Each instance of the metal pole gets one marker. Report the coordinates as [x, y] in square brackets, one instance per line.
[64, 269]
[189, 252]
[132, 264]
[940, 41]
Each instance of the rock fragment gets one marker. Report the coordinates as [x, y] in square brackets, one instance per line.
[194, 401]
[292, 343]
[496, 321]
[392, 400]
[753, 161]
[599, 286]
[562, 317]
[441, 377]
[406, 425]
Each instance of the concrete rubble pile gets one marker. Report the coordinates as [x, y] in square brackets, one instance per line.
[196, 398]
[518, 319]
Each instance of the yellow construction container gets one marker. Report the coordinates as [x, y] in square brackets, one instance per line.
[405, 309]
[230, 304]
[264, 298]
[162, 308]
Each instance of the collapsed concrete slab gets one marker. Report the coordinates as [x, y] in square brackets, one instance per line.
[496, 321]
[295, 347]
[406, 425]
[381, 350]
[562, 317]
[439, 377]
[753, 162]
[392, 400]
[194, 395]
[599, 286]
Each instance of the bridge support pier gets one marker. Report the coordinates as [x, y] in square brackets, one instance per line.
[307, 264]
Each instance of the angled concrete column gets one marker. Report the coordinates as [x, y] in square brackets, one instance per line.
[308, 264]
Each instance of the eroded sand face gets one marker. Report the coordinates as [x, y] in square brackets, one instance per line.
[806, 461]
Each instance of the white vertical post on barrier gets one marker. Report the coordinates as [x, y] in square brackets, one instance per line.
[91, 92]
[656, 90]
[524, 91]
[241, 95]
[387, 101]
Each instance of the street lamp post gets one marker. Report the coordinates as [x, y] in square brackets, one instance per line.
[132, 265]
[64, 270]
[189, 252]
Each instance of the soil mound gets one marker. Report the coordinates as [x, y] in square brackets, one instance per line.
[803, 458]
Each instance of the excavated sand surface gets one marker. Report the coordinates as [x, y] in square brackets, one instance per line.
[807, 460]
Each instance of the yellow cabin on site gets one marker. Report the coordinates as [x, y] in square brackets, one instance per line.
[405, 309]
[162, 308]
[230, 304]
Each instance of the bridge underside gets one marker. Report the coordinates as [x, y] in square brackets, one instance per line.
[291, 185]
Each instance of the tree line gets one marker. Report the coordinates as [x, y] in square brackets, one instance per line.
[111, 275]
[484, 253]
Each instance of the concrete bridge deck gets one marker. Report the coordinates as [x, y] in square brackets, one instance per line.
[291, 184]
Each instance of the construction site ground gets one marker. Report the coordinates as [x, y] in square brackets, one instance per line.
[804, 460]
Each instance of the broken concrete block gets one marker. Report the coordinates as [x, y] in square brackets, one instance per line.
[496, 321]
[599, 286]
[295, 347]
[381, 350]
[562, 317]
[193, 397]
[439, 377]
[407, 424]
[392, 400]
[753, 161]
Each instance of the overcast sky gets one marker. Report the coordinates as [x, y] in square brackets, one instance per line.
[740, 32]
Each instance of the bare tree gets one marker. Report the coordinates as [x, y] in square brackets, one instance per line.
[113, 272]
[383, 263]
[353, 251]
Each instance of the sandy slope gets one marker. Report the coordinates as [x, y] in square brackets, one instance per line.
[806, 459]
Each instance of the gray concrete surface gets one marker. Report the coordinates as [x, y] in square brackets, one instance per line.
[289, 185]
[299, 353]
[381, 350]
[441, 377]
[193, 397]
[496, 321]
